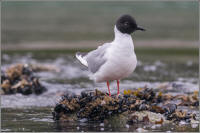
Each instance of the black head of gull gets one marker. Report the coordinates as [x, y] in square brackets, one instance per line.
[127, 24]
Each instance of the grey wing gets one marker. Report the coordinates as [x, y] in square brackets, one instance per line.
[96, 59]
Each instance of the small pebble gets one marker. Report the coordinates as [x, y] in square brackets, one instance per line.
[102, 129]
[153, 127]
[127, 126]
[182, 123]
[141, 130]
[194, 125]
[101, 124]
[83, 120]
[156, 126]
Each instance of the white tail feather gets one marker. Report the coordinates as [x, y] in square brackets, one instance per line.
[81, 59]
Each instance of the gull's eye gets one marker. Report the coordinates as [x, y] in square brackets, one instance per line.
[126, 23]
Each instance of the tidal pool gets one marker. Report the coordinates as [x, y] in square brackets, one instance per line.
[174, 71]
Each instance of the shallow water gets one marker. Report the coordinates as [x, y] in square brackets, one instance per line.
[175, 73]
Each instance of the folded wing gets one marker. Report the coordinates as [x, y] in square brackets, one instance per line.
[94, 59]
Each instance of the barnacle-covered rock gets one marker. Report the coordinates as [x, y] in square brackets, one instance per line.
[100, 108]
[157, 109]
[142, 93]
[146, 94]
[19, 78]
[169, 108]
[146, 117]
[138, 106]
[189, 100]
[164, 109]
[179, 115]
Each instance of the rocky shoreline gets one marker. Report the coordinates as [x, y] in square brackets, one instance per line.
[138, 106]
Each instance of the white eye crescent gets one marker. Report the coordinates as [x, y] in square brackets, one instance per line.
[126, 23]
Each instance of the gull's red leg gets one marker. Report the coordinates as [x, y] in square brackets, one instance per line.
[108, 88]
[117, 87]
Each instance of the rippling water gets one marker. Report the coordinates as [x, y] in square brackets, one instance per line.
[171, 74]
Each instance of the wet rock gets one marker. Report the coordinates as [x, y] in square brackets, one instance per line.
[146, 117]
[157, 109]
[19, 78]
[169, 108]
[179, 115]
[143, 107]
[3, 77]
[139, 106]
[142, 93]
[189, 100]
[100, 108]
[147, 94]
[133, 120]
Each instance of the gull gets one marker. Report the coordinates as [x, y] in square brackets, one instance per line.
[114, 60]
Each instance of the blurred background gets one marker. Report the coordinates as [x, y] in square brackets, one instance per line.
[36, 25]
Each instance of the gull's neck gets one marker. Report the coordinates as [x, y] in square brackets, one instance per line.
[123, 39]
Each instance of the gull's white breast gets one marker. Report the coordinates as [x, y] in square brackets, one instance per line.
[120, 57]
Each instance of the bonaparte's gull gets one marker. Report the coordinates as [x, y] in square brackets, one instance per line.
[114, 60]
